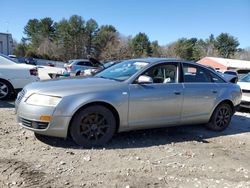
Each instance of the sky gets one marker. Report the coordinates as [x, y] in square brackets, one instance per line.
[162, 20]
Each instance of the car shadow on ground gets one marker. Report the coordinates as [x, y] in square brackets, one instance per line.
[155, 137]
[7, 104]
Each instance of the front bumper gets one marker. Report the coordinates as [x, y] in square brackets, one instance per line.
[28, 116]
[57, 127]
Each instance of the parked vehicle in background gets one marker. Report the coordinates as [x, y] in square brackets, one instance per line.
[94, 70]
[13, 76]
[229, 75]
[30, 61]
[74, 67]
[133, 94]
[244, 83]
[51, 64]
[242, 72]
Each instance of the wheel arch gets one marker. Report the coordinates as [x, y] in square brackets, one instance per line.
[101, 103]
[227, 101]
[7, 81]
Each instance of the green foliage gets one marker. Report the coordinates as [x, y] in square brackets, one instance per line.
[21, 48]
[185, 48]
[156, 49]
[36, 30]
[105, 37]
[141, 45]
[75, 38]
[226, 45]
[90, 31]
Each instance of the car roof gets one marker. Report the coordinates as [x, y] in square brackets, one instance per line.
[157, 59]
[71, 60]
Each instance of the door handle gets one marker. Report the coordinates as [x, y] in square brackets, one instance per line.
[214, 91]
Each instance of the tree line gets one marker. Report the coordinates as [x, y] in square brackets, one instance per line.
[76, 38]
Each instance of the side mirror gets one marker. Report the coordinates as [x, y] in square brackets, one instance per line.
[144, 80]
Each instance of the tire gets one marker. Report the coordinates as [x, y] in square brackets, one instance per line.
[93, 126]
[6, 90]
[78, 73]
[221, 117]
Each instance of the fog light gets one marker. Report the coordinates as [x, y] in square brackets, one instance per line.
[45, 118]
[34, 125]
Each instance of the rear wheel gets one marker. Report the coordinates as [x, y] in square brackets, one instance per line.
[221, 117]
[6, 90]
[93, 126]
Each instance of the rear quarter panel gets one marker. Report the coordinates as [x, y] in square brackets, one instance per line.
[17, 76]
[228, 91]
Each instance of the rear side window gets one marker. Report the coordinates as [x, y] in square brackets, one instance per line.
[84, 63]
[194, 73]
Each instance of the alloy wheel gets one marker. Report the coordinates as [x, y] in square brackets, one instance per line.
[4, 90]
[223, 116]
[93, 126]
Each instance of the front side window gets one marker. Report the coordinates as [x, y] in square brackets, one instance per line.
[164, 73]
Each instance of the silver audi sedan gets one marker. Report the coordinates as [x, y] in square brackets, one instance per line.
[134, 94]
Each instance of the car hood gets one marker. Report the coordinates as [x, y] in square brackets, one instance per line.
[71, 86]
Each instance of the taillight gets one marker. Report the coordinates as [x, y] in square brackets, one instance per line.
[69, 67]
[33, 72]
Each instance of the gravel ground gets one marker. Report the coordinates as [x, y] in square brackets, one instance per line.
[188, 156]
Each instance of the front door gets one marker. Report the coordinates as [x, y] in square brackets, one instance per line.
[158, 103]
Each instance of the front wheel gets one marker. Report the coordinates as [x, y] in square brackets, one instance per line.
[221, 117]
[93, 126]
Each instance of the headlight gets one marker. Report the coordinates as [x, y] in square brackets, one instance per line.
[43, 100]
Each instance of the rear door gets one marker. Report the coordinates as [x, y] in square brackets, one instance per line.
[200, 94]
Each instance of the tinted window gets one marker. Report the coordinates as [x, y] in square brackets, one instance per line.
[84, 63]
[194, 73]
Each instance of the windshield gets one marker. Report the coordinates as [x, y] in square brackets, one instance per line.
[245, 78]
[122, 71]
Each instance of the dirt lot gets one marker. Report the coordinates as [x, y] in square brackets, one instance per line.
[188, 156]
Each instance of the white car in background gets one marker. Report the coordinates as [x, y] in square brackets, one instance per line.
[244, 83]
[13, 76]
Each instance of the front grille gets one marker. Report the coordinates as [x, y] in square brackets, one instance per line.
[20, 96]
[34, 124]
